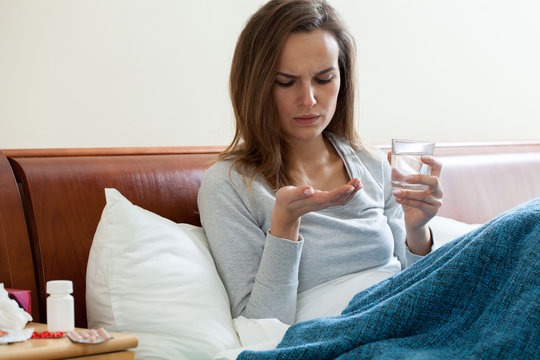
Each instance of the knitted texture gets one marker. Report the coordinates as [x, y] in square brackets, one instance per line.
[477, 297]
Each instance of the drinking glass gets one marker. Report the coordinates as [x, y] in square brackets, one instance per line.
[406, 160]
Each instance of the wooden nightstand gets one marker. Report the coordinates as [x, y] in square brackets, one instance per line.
[63, 348]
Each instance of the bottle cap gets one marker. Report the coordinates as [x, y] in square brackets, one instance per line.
[59, 286]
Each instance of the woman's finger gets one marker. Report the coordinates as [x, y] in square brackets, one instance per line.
[428, 210]
[304, 199]
[420, 196]
[324, 199]
[433, 183]
[348, 194]
[436, 165]
[425, 204]
[347, 197]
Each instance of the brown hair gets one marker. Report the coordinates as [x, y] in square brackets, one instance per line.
[257, 146]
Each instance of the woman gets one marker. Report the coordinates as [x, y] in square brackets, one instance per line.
[296, 200]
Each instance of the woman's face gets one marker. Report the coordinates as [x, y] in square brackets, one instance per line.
[307, 85]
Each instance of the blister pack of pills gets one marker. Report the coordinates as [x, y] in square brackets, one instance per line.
[90, 336]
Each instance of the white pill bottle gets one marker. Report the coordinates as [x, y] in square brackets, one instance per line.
[60, 306]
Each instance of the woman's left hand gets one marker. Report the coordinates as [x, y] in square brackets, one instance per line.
[421, 206]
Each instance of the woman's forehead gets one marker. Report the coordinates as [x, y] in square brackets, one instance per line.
[315, 50]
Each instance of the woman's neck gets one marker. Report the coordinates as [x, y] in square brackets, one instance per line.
[318, 164]
[310, 153]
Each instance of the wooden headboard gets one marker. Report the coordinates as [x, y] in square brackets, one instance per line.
[16, 260]
[63, 197]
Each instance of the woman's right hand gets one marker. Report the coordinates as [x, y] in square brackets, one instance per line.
[294, 201]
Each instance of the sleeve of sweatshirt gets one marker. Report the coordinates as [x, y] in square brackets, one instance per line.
[259, 270]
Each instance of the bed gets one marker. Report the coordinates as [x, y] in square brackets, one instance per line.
[55, 215]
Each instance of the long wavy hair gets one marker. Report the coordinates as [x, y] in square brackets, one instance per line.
[257, 146]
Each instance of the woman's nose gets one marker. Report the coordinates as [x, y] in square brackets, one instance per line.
[307, 97]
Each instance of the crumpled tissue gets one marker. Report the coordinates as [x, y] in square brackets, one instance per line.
[13, 319]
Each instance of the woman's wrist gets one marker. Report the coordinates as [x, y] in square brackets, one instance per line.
[419, 241]
[285, 228]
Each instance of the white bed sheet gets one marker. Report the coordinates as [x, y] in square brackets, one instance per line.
[328, 299]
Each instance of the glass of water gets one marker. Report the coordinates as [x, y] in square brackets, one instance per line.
[406, 160]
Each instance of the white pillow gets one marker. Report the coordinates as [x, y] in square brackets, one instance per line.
[446, 229]
[156, 279]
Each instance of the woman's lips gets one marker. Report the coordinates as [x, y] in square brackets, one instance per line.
[306, 119]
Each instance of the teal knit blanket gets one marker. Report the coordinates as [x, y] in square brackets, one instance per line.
[477, 297]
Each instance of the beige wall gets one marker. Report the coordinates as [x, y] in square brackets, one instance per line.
[92, 73]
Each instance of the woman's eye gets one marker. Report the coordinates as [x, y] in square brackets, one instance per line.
[324, 81]
[285, 84]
